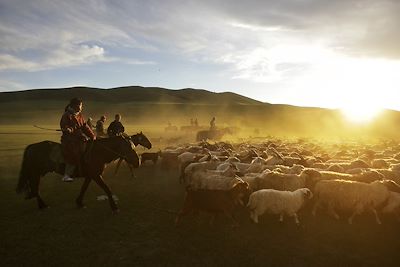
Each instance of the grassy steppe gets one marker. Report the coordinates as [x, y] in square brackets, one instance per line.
[143, 234]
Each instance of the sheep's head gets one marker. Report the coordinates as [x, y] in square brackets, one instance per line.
[391, 185]
[239, 190]
[307, 193]
[231, 170]
[310, 176]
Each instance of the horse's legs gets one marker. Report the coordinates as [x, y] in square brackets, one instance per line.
[40, 202]
[79, 199]
[34, 191]
[131, 169]
[99, 180]
[118, 164]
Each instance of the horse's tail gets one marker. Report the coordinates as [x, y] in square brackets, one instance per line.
[23, 182]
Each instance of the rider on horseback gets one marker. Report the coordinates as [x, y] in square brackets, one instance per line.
[212, 124]
[75, 133]
[116, 127]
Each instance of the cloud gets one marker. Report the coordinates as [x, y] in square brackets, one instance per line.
[260, 41]
[64, 56]
[8, 85]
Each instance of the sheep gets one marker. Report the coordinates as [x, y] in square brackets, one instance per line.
[390, 174]
[358, 163]
[150, 156]
[368, 176]
[232, 159]
[295, 169]
[254, 179]
[282, 181]
[277, 202]
[186, 157]
[242, 167]
[214, 201]
[395, 167]
[216, 182]
[213, 179]
[320, 165]
[169, 159]
[335, 168]
[329, 175]
[197, 166]
[393, 205]
[379, 164]
[354, 196]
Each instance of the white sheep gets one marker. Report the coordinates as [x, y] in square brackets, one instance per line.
[187, 157]
[242, 167]
[253, 179]
[277, 202]
[198, 166]
[286, 182]
[212, 179]
[353, 196]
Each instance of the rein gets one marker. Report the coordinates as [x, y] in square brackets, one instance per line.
[111, 150]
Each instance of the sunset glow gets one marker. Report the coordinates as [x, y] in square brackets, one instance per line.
[360, 114]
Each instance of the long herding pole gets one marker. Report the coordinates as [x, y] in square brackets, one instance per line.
[57, 130]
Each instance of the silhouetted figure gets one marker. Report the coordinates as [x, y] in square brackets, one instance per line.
[191, 122]
[89, 122]
[212, 124]
[196, 123]
[100, 127]
[116, 127]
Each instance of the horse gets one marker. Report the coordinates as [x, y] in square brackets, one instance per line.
[137, 139]
[215, 134]
[44, 157]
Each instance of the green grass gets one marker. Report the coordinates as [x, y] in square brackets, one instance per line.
[143, 234]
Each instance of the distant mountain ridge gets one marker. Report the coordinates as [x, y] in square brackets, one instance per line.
[159, 106]
[129, 94]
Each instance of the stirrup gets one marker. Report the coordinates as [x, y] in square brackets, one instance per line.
[66, 178]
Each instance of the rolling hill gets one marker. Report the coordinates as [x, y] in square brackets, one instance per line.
[157, 106]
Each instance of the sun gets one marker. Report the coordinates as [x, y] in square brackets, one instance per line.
[360, 113]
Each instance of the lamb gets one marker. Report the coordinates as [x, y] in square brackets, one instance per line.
[277, 202]
[354, 196]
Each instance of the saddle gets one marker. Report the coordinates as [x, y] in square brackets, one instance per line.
[57, 159]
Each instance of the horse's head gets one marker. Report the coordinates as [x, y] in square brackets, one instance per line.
[127, 152]
[141, 139]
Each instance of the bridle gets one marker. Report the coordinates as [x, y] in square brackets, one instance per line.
[113, 151]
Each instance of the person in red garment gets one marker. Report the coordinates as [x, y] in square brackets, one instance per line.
[75, 132]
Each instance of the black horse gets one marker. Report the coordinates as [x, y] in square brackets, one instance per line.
[44, 157]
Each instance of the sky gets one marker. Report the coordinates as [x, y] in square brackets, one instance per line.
[323, 53]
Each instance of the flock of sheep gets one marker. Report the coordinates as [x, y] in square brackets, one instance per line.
[278, 177]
